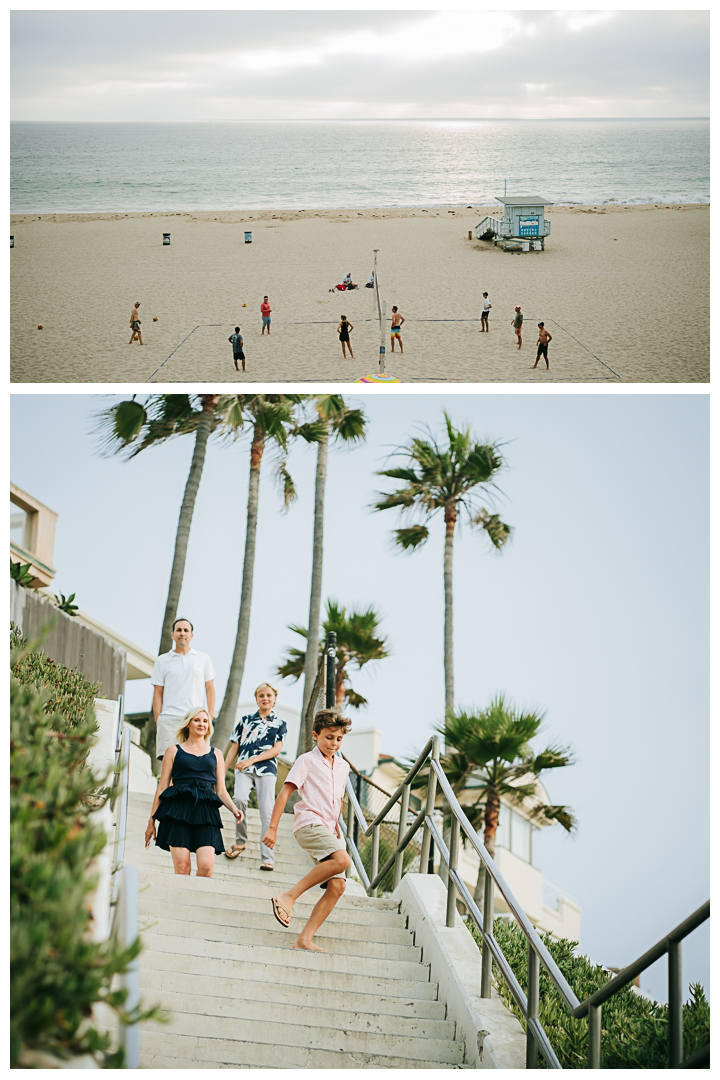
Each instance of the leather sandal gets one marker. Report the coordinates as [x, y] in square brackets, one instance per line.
[233, 851]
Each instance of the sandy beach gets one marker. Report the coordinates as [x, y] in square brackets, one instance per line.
[624, 290]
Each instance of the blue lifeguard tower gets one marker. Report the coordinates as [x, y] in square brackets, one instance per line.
[523, 226]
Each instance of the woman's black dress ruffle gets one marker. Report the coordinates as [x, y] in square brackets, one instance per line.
[188, 815]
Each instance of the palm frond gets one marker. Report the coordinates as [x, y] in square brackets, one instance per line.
[497, 531]
[546, 815]
[411, 538]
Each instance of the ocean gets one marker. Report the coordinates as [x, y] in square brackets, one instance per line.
[315, 164]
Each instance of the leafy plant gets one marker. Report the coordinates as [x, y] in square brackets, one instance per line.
[20, 572]
[357, 643]
[66, 604]
[634, 1029]
[66, 691]
[57, 972]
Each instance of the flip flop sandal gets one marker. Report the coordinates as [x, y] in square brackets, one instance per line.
[278, 908]
[266, 866]
[234, 851]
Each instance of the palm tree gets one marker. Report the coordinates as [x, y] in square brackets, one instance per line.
[343, 425]
[272, 418]
[129, 427]
[488, 757]
[445, 479]
[357, 644]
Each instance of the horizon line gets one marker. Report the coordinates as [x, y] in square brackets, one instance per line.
[363, 119]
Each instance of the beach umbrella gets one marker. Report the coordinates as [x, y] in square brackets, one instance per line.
[379, 377]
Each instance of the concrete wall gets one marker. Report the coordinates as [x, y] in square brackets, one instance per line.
[70, 643]
[494, 1038]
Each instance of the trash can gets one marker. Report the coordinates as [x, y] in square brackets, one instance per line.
[248, 238]
[12, 241]
[526, 245]
[166, 238]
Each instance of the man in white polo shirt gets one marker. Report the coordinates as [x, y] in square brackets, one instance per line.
[183, 678]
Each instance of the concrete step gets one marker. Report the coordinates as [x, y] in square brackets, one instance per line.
[208, 892]
[321, 971]
[276, 997]
[168, 879]
[238, 1011]
[318, 1035]
[158, 1049]
[235, 917]
[282, 956]
[327, 937]
[275, 880]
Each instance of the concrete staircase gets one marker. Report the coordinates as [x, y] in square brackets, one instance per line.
[239, 996]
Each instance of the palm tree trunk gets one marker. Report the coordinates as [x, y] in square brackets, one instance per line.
[311, 652]
[204, 427]
[492, 817]
[450, 519]
[226, 718]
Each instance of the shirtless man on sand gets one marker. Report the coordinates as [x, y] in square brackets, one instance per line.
[135, 324]
[397, 321]
[544, 339]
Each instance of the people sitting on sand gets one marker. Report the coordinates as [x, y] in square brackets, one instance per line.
[371, 283]
[348, 281]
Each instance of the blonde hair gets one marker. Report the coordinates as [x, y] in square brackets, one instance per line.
[184, 730]
[262, 687]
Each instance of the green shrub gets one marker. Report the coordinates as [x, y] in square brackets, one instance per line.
[57, 973]
[634, 1029]
[67, 692]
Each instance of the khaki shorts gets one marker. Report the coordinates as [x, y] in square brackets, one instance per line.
[319, 843]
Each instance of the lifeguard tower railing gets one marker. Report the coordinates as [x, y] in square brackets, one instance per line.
[494, 228]
[387, 859]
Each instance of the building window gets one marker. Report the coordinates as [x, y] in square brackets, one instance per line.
[19, 526]
[520, 837]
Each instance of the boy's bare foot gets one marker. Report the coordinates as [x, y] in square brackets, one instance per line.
[310, 946]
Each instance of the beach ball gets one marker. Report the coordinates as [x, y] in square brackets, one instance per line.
[244, 305]
[40, 326]
[154, 318]
[384, 378]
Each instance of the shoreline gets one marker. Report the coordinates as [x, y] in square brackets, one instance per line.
[289, 214]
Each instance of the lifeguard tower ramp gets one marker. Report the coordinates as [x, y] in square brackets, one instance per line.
[522, 227]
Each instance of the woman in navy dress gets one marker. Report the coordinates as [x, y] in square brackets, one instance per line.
[185, 804]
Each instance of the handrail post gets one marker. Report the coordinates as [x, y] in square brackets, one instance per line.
[488, 912]
[533, 1007]
[594, 1036]
[675, 1030]
[404, 803]
[429, 806]
[374, 857]
[452, 865]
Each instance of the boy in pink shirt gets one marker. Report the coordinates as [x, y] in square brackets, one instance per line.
[319, 778]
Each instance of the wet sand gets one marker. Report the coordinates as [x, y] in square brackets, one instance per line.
[623, 290]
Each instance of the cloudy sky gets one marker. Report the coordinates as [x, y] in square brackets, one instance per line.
[235, 65]
[597, 612]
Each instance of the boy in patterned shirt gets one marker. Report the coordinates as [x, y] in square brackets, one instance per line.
[319, 778]
[256, 742]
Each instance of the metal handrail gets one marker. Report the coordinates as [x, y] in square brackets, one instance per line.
[537, 1039]
[124, 897]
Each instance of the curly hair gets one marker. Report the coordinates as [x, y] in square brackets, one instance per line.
[331, 718]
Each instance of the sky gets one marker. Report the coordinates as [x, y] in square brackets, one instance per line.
[185, 65]
[596, 612]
